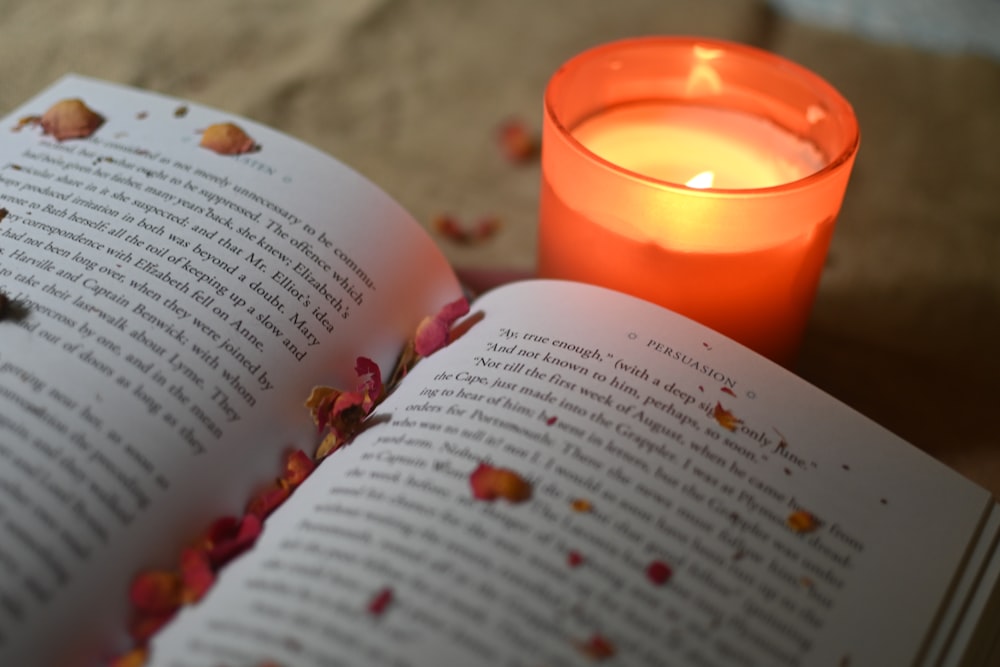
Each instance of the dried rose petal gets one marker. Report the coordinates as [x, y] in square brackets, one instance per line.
[659, 572]
[380, 602]
[726, 419]
[574, 559]
[197, 575]
[581, 505]
[801, 521]
[448, 226]
[551, 420]
[729, 391]
[330, 443]
[155, 592]
[516, 142]
[489, 483]
[369, 382]
[597, 647]
[70, 119]
[3, 213]
[226, 139]
[432, 332]
[226, 538]
[298, 466]
[267, 500]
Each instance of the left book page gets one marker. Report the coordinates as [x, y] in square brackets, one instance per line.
[170, 310]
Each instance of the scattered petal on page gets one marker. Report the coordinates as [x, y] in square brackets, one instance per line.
[134, 658]
[155, 592]
[226, 139]
[3, 213]
[726, 419]
[380, 602]
[729, 391]
[25, 121]
[551, 420]
[489, 483]
[581, 505]
[597, 648]
[70, 119]
[197, 575]
[659, 572]
[142, 115]
[574, 559]
[227, 538]
[801, 521]
[432, 332]
[516, 142]
[181, 111]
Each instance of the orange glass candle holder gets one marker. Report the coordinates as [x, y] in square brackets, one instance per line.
[698, 174]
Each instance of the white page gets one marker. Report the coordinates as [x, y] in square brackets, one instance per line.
[115, 247]
[599, 397]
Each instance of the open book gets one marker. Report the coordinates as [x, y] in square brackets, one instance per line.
[685, 501]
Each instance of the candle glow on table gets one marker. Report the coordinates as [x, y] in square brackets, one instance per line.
[676, 183]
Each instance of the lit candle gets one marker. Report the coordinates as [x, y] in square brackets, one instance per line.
[701, 175]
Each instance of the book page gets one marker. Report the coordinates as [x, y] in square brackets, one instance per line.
[691, 503]
[172, 308]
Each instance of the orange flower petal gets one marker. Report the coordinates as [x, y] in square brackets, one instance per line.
[298, 466]
[726, 419]
[330, 443]
[70, 119]
[226, 139]
[801, 521]
[489, 483]
[581, 505]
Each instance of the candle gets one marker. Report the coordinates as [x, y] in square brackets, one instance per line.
[702, 175]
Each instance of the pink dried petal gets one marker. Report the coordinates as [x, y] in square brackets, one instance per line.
[70, 119]
[380, 602]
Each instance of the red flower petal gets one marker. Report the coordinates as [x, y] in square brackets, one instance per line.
[155, 592]
[597, 647]
[574, 559]
[659, 572]
[196, 574]
[380, 602]
[231, 538]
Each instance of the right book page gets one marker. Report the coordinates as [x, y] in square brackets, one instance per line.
[691, 503]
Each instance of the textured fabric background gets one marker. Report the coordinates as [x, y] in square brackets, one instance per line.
[907, 322]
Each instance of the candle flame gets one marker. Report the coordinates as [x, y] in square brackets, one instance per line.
[701, 181]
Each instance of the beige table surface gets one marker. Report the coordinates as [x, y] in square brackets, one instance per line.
[907, 321]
